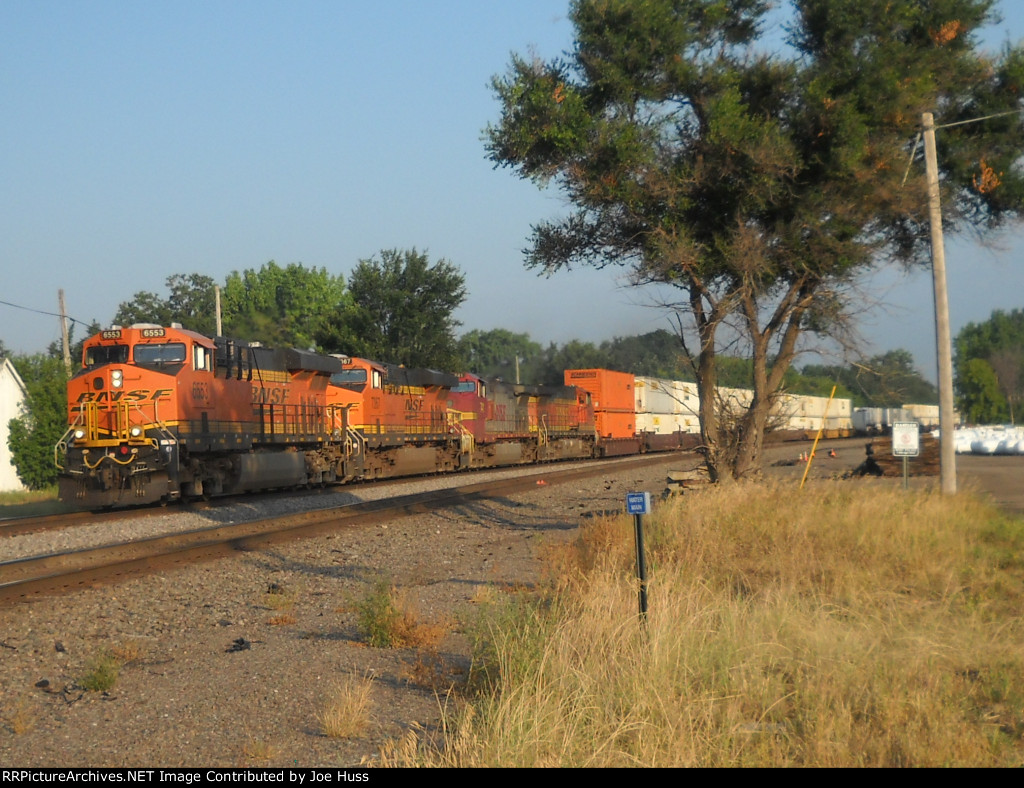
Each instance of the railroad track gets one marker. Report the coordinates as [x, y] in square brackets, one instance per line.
[25, 579]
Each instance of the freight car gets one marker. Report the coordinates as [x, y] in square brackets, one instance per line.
[162, 413]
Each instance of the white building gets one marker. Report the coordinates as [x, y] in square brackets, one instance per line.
[12, 394]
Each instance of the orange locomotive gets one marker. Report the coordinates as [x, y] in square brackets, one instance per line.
[164, 413]
[396, 420]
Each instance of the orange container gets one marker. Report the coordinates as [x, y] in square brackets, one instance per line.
[615, 425]
[611, 392]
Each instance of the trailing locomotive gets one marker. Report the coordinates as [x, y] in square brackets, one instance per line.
[162, 413]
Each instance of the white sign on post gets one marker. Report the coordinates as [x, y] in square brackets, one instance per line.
[905, 439]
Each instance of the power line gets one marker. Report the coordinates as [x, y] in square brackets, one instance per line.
[44, 312]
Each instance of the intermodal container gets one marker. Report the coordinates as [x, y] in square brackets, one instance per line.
[611, 392]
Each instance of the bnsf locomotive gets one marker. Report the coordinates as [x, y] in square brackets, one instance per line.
[159, 414]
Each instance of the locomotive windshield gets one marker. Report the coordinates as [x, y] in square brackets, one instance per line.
[167, 353]
[106, 354]
[353, 379]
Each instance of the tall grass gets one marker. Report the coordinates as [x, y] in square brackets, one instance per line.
[821, 628]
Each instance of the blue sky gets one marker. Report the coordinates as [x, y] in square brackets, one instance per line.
[142, 140]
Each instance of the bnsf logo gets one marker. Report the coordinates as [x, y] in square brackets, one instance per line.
[138, 395]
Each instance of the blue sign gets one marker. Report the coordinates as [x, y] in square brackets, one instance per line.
[638, 503]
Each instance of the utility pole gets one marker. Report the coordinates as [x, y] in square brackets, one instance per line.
[947, 448]
[216, 295]
[64, 332]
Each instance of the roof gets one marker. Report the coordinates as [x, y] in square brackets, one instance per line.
[7, 367]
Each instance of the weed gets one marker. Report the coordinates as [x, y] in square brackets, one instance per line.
[20, 720]
[101, 673]
[103, 670]
[258, 750]
[277, 597]
[281, 620]
[128, 652]
[345, 712]
[388, 620]
[828, 629]
[430, 670]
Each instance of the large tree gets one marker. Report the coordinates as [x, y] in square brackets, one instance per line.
[402, 311]
[757, 183]
[191, 301]
[498, 353]
[281, 306]
[991, 350]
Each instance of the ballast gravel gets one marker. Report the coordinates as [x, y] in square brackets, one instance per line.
[230, 661]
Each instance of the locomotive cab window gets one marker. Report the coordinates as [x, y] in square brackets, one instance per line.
[106, 354]
[201, 358]
[166, 353]
[354, 379]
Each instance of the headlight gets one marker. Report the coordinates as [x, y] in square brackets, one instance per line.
[116, 378]
[78, 435]
[136, 432]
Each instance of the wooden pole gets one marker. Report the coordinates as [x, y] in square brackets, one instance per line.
[65, 340]
[947, 447]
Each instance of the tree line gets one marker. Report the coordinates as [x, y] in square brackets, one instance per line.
[398, 307]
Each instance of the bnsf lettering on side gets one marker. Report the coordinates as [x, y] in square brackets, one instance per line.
[581, 375]
[137, 395]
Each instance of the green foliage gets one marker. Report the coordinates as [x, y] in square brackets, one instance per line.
[494, 353]
[401, 312]
[657, 354]
[379, 618]
[281, 307]
[101, 673]
[191, 302]
[758, 184]
[980, 399]
[999, 343]
[43, 421]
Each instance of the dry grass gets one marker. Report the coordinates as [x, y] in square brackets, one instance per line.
[257, 750]
[821, 628]
[20, 720]
[128, 652]
[345, 712]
